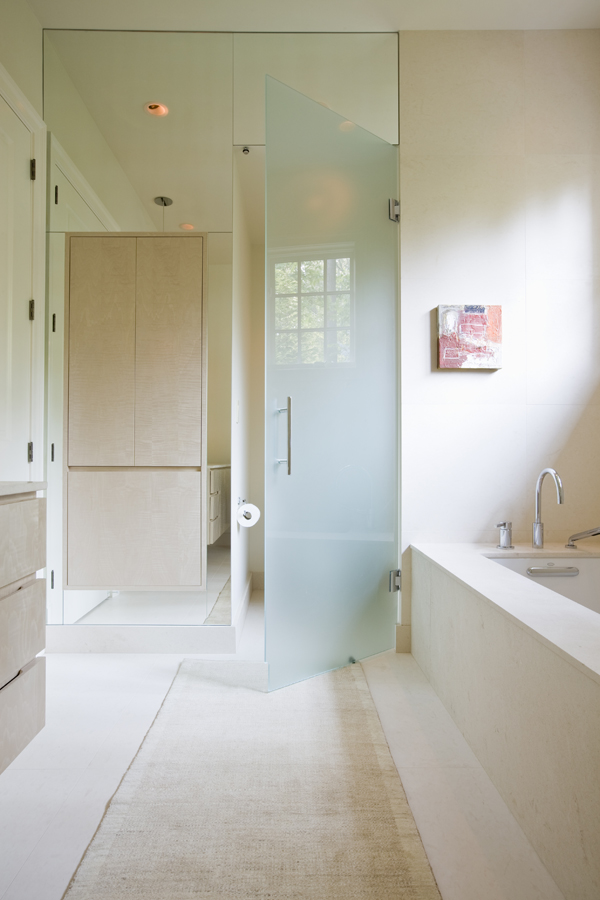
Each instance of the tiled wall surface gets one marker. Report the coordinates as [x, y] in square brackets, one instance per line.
[500, 187]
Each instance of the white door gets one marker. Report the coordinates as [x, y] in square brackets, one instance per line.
[16, 256]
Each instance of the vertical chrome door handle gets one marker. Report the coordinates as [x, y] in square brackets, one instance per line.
[288, 409]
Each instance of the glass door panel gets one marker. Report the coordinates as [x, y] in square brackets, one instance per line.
[331, 390]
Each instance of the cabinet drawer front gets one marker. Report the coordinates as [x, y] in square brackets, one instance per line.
[22, 710]
[22, 539]
[215, 480]
[134, 528]
[22, 628]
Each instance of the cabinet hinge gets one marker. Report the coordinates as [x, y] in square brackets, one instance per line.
[395, 580]
[56, 194]
[394, 210]
[53, 321]
[32, 169]
[30, 452]
[31, 310]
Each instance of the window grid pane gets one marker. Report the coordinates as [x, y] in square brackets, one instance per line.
[313, 311]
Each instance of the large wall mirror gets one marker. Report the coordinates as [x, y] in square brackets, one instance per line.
[135, 116]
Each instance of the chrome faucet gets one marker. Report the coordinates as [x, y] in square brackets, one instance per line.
[538, 528]
[591, 532]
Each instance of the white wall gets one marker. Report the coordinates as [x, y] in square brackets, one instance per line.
[21, 48]
[219, 360]
[68, 118]
[500, 187]
[257, 413]
[240, 393]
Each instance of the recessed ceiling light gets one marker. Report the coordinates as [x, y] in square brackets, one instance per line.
[347, 126]
[156, 109]
[186, 226]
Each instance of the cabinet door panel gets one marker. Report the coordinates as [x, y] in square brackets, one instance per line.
[168, 378]
[102, 351]
[134, 528]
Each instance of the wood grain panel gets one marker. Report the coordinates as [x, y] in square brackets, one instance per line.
[134, 528]
[22, 710]
[22, 628]
[101, 351]
[22, 539]
[168, 410]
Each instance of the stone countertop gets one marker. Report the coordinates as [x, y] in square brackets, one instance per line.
[569, 629]
[7, 488]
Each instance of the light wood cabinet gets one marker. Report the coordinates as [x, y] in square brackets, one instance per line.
[135, 515]
[168, 371]
[102, 351]
[219, 501]
[22, 616]
[134, 528]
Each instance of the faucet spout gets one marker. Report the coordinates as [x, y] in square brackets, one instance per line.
[538, 528]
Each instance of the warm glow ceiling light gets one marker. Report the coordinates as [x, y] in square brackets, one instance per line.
[347, 126]
[186, 226]
[156, 109]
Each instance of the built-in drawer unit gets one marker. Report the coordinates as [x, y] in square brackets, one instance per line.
[22, 710]
[22, 616]
[219, 500]
[22, 626]
[22, 537]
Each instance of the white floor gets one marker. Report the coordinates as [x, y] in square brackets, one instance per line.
[166, 607]
[100, 706]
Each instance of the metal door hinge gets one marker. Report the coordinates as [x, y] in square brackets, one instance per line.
[30, 452]
[32, 169]
[56, 194]
[52, 579]
[394, 210]
[31, 310]
[51, 452]
[395, 580]
[53, 321]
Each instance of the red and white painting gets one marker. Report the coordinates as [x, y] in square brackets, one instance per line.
[469, 337]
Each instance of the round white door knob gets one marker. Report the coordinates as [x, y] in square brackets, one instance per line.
[248, 515]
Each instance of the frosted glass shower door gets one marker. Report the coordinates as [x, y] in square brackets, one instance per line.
[331, 390]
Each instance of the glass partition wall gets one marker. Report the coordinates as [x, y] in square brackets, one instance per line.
[139, 489]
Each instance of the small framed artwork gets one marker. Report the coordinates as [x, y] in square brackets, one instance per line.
[469, 337]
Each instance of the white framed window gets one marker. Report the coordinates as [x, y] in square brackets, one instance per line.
[313, 306]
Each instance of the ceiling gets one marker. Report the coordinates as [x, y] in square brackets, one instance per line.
[317, 15]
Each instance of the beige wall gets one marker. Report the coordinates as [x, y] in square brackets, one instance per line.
[219, 360]
[21, 48]
[68, 118]
[500, 186]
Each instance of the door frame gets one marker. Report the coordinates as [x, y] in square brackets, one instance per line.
[24, 110]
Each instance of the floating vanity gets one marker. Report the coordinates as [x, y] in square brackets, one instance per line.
[22, 616]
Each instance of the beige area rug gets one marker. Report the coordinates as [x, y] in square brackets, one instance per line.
[238, 794]
[220, 614]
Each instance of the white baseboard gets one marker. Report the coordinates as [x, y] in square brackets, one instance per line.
[238, 622]
[402, 638]
[141, 638]
[258, 581]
